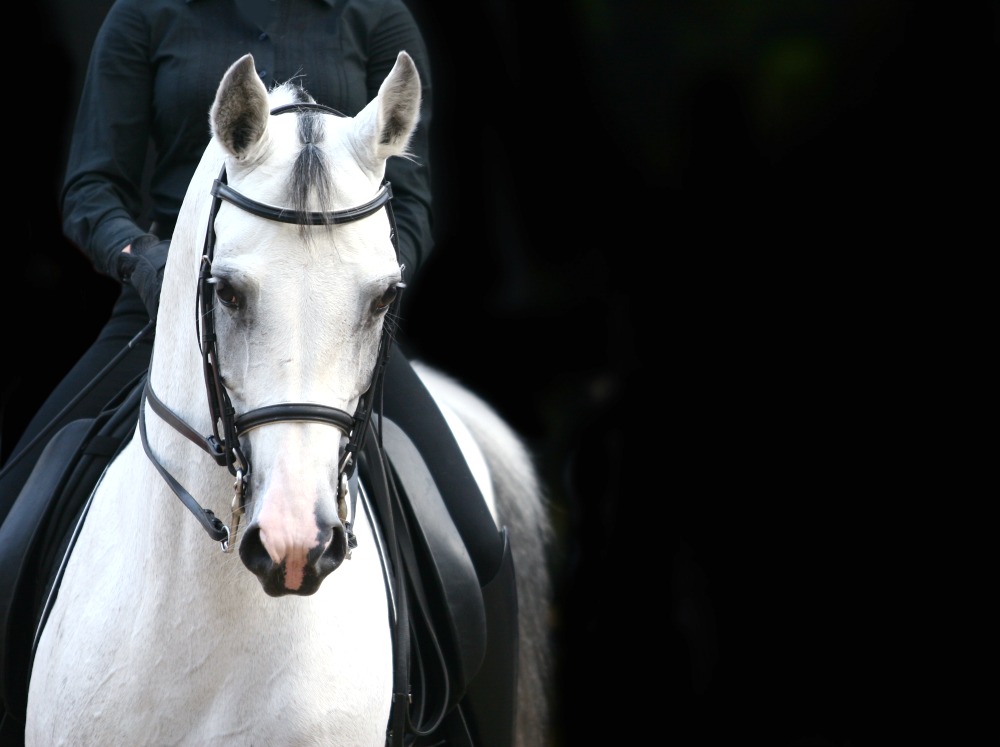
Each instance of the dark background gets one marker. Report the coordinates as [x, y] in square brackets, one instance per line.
[684, 247]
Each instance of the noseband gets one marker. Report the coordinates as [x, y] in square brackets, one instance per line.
[223, 444]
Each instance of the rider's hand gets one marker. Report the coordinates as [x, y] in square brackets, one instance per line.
[141, 265]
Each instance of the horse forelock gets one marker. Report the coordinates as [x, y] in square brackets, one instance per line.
[309, 183]
[310, 179]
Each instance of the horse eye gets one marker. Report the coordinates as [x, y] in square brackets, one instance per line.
[383, 302]
[226, 294]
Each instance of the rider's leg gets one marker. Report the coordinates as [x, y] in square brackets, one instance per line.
[128, 317]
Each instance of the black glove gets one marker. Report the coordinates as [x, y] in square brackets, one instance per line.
[142, 268]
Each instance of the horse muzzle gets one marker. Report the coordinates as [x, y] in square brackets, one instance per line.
[285, 568]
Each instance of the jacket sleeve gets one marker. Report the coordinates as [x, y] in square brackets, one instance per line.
[101, 198]
[410, 177]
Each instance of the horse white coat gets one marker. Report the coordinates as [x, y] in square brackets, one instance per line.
[158, 638]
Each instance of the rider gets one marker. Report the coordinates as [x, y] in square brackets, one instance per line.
[152, 76]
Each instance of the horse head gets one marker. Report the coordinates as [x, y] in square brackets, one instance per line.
[298, 287]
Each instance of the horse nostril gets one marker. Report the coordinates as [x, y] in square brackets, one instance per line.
[252, 552]
[334, 554]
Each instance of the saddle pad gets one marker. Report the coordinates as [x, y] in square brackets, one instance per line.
[36, 533]
[20, 534]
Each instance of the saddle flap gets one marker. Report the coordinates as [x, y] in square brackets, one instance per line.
[36, 534]
[446, 571]
[19, 541]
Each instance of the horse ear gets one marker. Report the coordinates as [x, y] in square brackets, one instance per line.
[384, 127]
[239, 114]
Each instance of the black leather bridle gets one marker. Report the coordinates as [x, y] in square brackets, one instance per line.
[223, 444]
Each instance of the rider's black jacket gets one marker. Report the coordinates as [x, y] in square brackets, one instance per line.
[153, 73]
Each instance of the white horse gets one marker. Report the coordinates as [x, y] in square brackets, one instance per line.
[156, 637]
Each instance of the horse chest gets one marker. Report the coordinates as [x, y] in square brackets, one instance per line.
[190, 663]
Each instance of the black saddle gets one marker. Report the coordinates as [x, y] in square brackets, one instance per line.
[456, 638]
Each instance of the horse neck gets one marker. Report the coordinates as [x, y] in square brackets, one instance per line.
[176, 373]
[177, 378]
